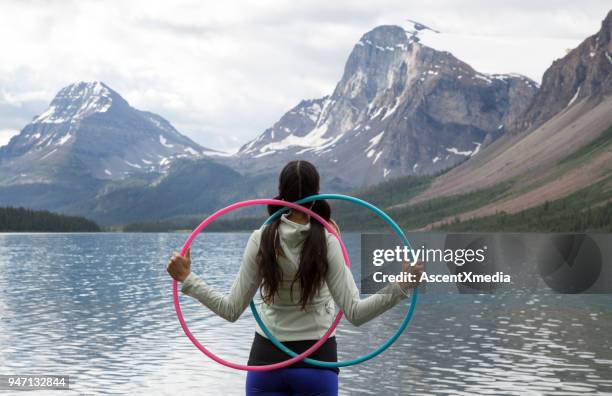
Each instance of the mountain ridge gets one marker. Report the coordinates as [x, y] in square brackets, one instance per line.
[539, 162]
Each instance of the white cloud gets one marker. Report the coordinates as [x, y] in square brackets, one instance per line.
[223, 72]
[6, 135]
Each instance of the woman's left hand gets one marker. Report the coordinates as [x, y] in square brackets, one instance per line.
[415, 271]
[179, 266]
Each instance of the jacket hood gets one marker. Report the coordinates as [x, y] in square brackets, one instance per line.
[292, 233]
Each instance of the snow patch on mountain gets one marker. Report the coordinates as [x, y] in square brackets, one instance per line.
[312, 140]
[375, 140]
[49, 117]
[164, 142]
[213, 153]
[477, 149]
[48, 154]
[455, 151]
[133, 165]
[264, 154]
[64, 139]
[573, 99]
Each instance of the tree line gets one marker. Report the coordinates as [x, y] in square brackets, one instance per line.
[29, 220]
[548, 217]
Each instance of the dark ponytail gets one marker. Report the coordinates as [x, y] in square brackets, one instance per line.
[297, 180]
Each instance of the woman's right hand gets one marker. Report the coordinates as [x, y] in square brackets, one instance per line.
[179, 266]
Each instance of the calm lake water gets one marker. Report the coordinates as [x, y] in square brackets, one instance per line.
[98, 307]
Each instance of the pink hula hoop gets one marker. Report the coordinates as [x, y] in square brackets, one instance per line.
[186, 246]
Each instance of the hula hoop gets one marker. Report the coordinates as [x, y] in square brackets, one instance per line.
[404, 323]
[186, 246]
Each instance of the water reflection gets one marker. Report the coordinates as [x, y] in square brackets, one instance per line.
[98, 307]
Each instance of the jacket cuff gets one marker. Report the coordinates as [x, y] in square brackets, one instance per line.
[400, 291]
[188, 282]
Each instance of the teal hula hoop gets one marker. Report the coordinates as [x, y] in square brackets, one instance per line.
[402, 326]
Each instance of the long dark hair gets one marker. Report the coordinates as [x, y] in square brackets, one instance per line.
[297, 180]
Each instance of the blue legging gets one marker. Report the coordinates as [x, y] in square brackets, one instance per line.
[292, 382]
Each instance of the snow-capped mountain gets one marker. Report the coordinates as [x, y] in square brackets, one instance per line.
[91, 130]
[401, 107]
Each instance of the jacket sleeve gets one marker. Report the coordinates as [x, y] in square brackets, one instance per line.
[243, 289]
[346, 295]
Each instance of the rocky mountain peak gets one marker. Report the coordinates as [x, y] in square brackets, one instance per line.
[585, 72]
[387, 37]
[382, 50]
[77, 101]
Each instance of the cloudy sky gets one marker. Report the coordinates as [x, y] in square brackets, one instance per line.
[222, 72]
